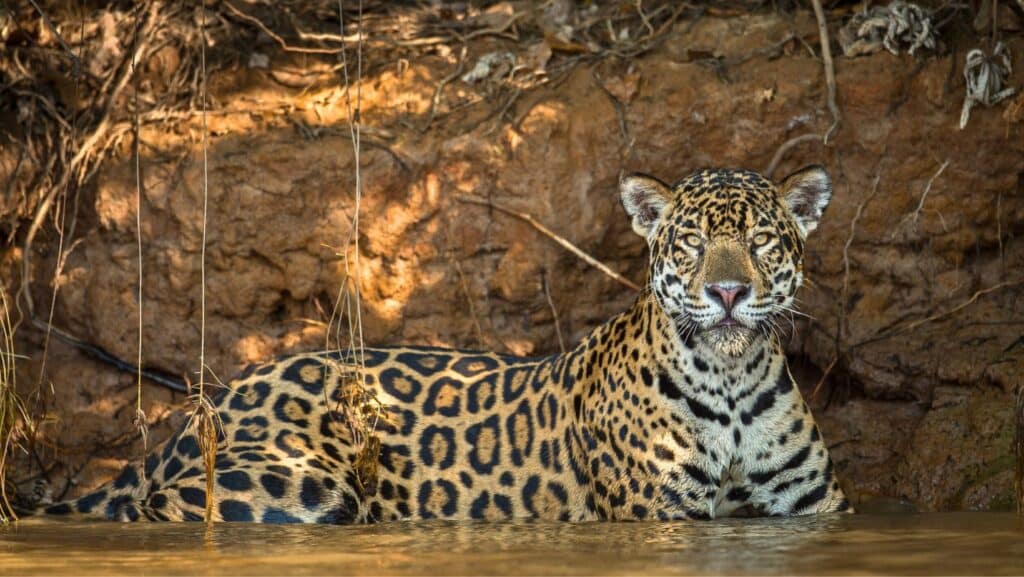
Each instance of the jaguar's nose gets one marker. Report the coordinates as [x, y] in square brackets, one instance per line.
[727, 294]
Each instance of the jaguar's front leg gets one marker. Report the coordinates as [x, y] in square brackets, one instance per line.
[798, 478]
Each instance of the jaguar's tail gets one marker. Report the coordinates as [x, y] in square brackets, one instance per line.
[118, 500]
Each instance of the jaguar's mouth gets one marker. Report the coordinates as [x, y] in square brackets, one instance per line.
[730, 337]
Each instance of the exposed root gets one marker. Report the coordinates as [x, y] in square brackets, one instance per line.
[1014, 112]
[830, 73]
[909, 222]
[277, 37]
[785, 148]
[824, 377]
[554, 311]
[436, 99]
[464, 285]
[906, 327]
[620, 111]
[76, 171]
[76, 61]
[548, 233]
[941, 315]
[844, 299]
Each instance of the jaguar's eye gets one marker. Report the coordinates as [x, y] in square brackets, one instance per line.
[761, 238]
[693, 240]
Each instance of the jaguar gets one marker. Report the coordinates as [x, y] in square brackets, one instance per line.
[681, 407]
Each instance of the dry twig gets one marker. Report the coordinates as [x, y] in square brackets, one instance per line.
[547, 232]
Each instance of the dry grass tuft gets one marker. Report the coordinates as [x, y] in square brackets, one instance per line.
[208, 427]
[14, 419]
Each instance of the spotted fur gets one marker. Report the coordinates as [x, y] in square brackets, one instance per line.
[682, 407]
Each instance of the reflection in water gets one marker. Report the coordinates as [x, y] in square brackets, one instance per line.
[959, 543]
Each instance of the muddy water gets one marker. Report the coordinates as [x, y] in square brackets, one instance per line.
[951, 543]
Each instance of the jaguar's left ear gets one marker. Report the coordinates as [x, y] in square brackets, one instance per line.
[807, 193]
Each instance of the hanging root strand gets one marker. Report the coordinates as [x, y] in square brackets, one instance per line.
[1018, 449]
[830, 72]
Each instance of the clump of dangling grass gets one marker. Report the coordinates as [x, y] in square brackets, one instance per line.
[359, 405]
[206, 423]
[14, 419]
[362, 412]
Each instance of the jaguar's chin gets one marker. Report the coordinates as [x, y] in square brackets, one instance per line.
[730, 340]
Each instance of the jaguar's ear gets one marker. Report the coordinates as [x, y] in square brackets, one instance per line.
[644, 198]
[807, 193]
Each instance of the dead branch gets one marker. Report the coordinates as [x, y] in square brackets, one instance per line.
[830, 73]
[547, 232]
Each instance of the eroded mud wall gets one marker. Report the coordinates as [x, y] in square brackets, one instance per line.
[915, 320]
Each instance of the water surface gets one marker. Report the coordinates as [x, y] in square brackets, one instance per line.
[947, 543]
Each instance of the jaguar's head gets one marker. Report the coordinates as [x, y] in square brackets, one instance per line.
[726, 248]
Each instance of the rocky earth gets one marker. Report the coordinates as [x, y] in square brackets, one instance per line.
[912, 349]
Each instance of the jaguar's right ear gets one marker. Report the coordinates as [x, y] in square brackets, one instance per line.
[644, 198]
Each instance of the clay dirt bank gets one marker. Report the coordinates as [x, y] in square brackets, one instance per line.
[912, 349]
